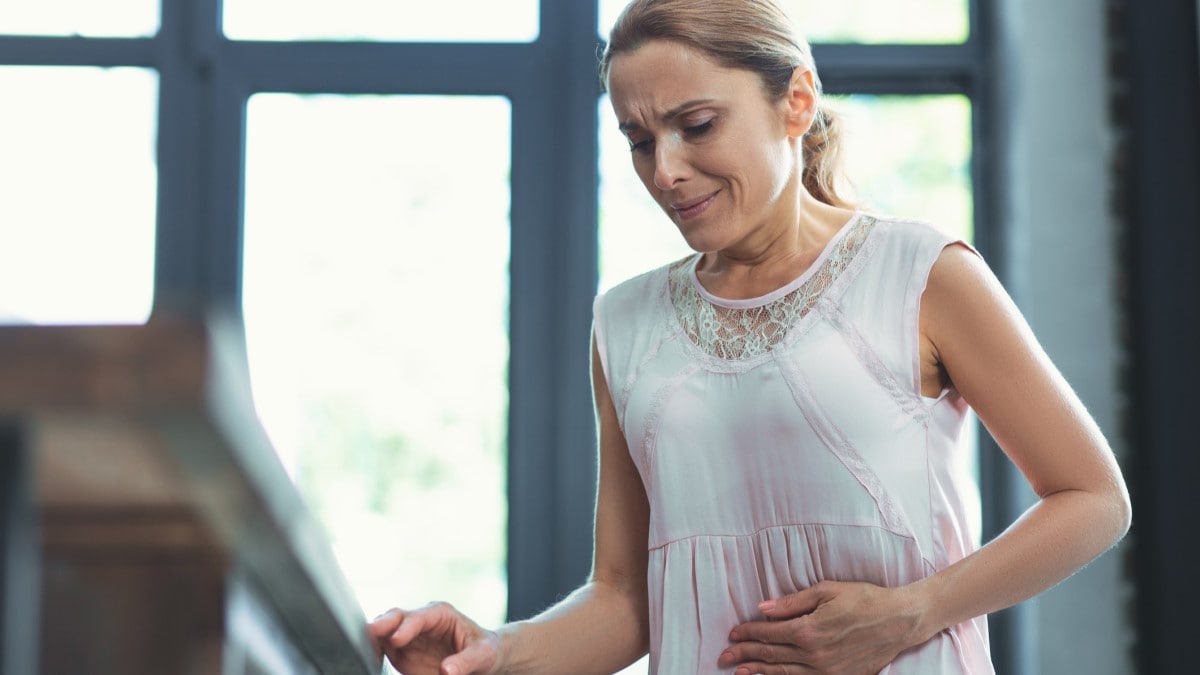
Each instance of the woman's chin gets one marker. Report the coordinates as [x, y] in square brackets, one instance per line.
[702, 242]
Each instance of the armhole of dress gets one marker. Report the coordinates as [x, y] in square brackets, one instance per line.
[912, 316]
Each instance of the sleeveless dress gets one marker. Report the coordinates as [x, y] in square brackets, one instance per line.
[783, 440]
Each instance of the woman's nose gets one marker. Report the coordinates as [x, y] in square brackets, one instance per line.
[669, 166]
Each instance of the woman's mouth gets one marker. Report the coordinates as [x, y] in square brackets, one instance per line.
[694, 207]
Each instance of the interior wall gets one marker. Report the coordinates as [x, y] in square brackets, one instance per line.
[1060, 191]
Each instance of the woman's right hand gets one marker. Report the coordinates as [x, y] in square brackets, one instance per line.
[436, 639]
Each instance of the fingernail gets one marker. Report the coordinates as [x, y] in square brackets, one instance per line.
[726, 657]
[451, 670]
[766, 605]
[733, 635]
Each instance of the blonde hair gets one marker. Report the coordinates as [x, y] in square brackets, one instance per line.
[754, 35]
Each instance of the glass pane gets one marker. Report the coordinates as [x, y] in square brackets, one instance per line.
[870, 21]
[395, 20]
[78, 177]
[881, 21]
[376, 307]
[88, 18]
[910, 156]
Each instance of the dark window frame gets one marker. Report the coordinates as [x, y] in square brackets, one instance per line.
[1155, 60]
[206, 80]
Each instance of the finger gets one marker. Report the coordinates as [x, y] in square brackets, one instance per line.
[774, 669]
[763, 652]
[778, 632]
[385, 624]
[415, 623]
[794, 604]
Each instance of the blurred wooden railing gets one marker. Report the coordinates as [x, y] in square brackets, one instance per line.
[146, 524]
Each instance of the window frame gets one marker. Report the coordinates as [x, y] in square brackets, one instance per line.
[207, 79]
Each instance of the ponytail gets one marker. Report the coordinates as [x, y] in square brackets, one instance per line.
[824, 175]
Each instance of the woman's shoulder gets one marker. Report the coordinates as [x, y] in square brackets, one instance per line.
[645, 286]
[632, 312]
[911, 242]
[911, 231]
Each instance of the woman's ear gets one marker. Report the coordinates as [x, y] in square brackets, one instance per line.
[801, 100]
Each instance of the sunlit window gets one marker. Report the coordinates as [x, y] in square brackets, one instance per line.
[376, 305]
[861, 21]
[882, 21]
[77, 194]
[910, 156]
[412, 20]
[88, 18]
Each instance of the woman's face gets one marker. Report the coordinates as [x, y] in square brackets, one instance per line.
[713, 151]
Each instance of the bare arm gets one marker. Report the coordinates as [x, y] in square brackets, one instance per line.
[600, 628]
[974, 337]
[604, 626]
[991, 356]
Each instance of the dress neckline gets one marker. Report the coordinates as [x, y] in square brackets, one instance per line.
[780, 292]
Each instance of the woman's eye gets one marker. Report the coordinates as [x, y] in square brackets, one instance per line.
[639, 146]
[699, 129]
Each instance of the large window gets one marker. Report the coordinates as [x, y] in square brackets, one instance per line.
[375, 301]
[413, 204]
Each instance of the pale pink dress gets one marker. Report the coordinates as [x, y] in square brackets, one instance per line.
[784, 440]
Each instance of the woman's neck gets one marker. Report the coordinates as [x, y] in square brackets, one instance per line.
[777, 255]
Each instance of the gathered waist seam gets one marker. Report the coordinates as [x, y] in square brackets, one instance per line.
[778, 527]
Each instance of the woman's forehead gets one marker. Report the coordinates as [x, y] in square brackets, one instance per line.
[659, 76]
[658, 58]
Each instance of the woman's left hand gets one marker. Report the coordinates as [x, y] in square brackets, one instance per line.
[832, 627]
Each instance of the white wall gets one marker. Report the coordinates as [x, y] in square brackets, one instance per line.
[1060, 185]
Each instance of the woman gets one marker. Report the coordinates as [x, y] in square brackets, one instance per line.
[781, 489]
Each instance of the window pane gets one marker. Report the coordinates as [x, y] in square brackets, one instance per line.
[922, 22]
[89, 18]
[871, 21]
[910, 156]
[77, 194]
[376, 306]
[405, 20]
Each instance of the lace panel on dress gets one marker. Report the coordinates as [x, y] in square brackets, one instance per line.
[738, 333]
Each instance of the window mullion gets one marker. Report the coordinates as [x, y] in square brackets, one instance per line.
[198, 246]
[552, 430]
[379, 68]
[23, 50]
[896, 69]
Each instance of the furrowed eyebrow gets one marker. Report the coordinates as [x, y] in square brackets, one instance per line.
[670, 114]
